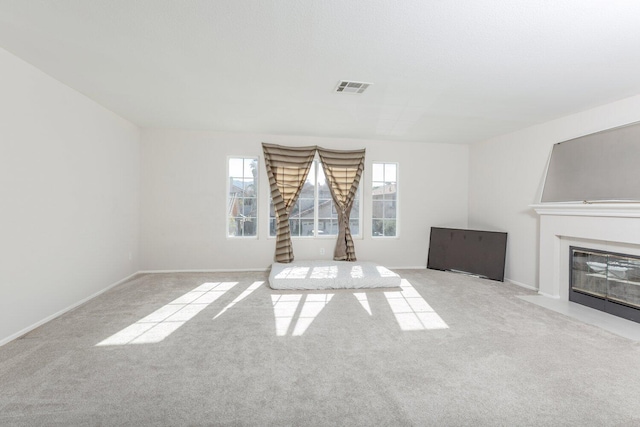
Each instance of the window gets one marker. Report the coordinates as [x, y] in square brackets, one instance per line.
[314, 213]
[242, 201]
[384, 199]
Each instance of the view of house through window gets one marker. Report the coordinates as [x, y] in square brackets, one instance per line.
[384, 199]
[314, 213]
[242, 201]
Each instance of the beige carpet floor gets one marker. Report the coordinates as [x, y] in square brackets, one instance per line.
[224, 349]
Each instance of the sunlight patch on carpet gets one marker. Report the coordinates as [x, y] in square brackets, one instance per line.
[304, 309]
[243, 295]
[293, 273]
[284, 308]
[163, 322]
[312, 306]
[364, 302]
[412, 312]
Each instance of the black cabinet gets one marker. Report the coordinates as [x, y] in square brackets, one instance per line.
[476, 252]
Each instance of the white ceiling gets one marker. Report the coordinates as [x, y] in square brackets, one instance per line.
[454, 71]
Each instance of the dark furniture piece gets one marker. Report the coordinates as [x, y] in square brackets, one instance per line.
[480, 253]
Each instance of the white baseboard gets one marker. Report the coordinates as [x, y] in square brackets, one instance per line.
[523, 285]
[222, 270]
[30, 328]
[544, 294]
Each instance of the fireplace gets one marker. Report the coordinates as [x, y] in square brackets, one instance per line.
[601, 227]
[606, 281]
[606, 227]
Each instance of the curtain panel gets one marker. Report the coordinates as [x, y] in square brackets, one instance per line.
[343, 170]
[287, 169]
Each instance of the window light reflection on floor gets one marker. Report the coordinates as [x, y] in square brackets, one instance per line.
[284, 308]
[412, 312]
[293, 273]
[385, 272]
[287, 306]
[356, 272]
[243, 295]
[325, 272]
[313, 305]
[166, 320]
[364, 302]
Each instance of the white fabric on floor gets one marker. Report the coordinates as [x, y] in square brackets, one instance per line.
[331, 275]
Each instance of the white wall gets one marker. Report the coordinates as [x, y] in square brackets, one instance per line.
[506, 175]
[183, 204]
[69, 182]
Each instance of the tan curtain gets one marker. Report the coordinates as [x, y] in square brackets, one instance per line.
[343, 170]
[287, 168]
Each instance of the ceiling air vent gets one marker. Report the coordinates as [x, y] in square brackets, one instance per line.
[345, 86]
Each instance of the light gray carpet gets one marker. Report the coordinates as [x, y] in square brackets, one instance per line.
[501, 361]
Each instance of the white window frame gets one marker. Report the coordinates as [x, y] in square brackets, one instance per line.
[318, 165]
[257, 197]
[397, 200]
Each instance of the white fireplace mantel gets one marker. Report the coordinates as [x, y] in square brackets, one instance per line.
[607, 226]
[623, 210]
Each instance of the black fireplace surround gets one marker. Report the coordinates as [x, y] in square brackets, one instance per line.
[606, 281]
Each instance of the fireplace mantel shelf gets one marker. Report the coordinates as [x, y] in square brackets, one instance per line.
[621, 210]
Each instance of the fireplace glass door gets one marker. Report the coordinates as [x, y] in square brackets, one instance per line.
[606, 281]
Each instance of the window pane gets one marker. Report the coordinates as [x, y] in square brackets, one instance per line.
[250, 168]
[390, 172]
[355, 207]
[377, 227]
[377, 209]
[355, 227]
[389, 210]
[389, 227]
[242, 226]
[384, 199]
[307, 227]
[326, 209]
[390, 192]
[249, 187]
[236, 167]
[308, 190]
[250, 207]
[378, 190]
[324, 192]
[377, 172]
[295, 212]
[233, 227]
[249, 226]
[294, 225]
[242, 204]
[307, 208]
[327, 227]
[311, 177]
[386, 191]
[323, 188]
